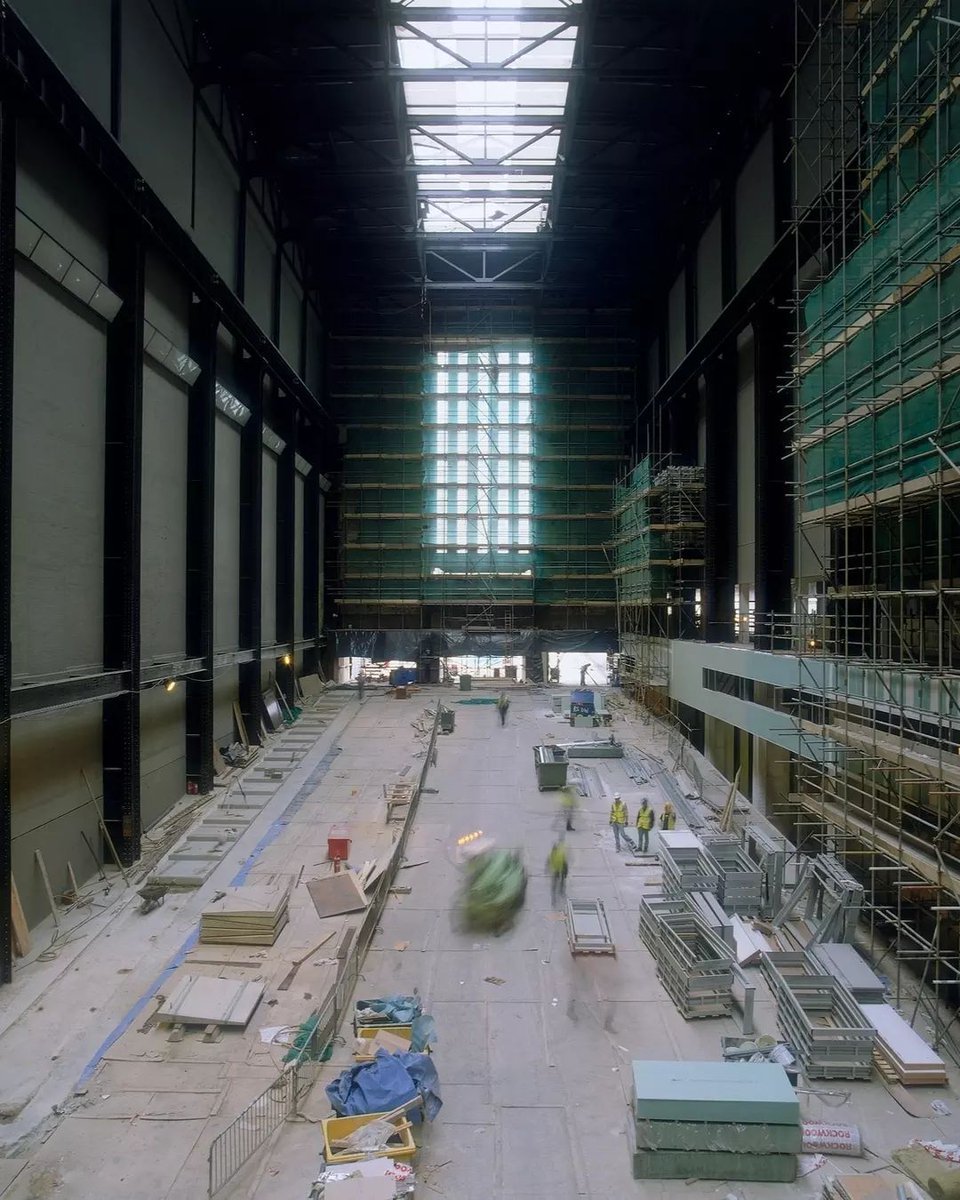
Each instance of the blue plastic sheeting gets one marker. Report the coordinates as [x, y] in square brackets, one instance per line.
[386, 1083]
[423, 1033]
[398, 1010]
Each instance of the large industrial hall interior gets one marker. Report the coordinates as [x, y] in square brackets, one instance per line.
[479, 599]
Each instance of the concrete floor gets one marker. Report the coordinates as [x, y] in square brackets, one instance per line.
[535, 1071]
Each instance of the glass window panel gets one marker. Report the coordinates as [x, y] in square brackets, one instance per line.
[443, 410]
[523, 412]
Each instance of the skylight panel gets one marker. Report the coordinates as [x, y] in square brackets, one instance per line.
[485, 143]
[491, 4]
[459, 44]
[481, 98]
[446, 180]
[493, 213]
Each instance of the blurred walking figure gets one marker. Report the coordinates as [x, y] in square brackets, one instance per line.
[568, 804]
[503, 704]
[618, 818]
[361, 683]
[668, 818]
[645, 818]
[558, 864]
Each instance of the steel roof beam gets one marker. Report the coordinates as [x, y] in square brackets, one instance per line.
[555, 12]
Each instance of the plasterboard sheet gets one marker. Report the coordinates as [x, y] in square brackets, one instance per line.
[908, 1046]
[200, 1000]
[183, 872]
[680, 839]
[340, 893]
[749, 1093]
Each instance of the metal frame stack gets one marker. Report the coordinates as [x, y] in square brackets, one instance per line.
[685, 863]
[741, 880]
[833, 901]
[841, 1043]
[709, 909]
[842, 961]
[693, 964]
[770, 852]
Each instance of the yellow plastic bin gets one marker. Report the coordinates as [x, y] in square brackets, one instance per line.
[335, 1128]
[367, 1032]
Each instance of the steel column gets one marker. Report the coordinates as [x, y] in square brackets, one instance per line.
[311, 551]
[251, 538]
[201, 415]
[121, 547]
[8, 208]
[774, 509]
[720, 499]
[286, 550]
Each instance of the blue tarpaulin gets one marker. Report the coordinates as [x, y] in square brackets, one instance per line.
[386, 1083]
[399, 1010]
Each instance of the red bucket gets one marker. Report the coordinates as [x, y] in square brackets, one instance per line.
[338, 849]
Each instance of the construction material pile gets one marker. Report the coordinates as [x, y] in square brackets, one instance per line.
[494, 891]
[707, 1120]
[693, 964]
[901, 1052]
[246, 916]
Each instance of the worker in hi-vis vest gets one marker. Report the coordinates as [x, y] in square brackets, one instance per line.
[618, 817]
[645, 818]
[668, 818]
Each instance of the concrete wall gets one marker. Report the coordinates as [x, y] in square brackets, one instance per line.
[81, 49]
[676, 324]
[299, 559]
[755, 222]
[162, 739]
[709, 277]
[50, 802]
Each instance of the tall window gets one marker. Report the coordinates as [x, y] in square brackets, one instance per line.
[479, 446]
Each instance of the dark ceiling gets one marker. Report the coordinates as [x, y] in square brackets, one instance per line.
[664, 98]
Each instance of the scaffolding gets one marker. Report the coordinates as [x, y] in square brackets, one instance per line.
[876, 437]
[657, 562]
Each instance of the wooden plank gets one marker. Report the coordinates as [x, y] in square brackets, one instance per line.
[337, 894]
[47, 888]
[21, 930]
[906, 1049]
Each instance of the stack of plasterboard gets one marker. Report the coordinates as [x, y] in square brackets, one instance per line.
[199, 1000]
[843, 962]
[912, 1060]
[246, 916]
[714, 1120]
[819, 1018]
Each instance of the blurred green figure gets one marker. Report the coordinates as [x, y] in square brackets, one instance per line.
[558, 864]
[568, 805]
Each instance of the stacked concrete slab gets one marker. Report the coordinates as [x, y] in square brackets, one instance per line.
[714, 1120]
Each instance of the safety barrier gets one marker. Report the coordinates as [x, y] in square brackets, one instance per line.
[237, 1144]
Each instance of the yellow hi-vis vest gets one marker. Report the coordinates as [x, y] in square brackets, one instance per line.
[557, 859]
[645, 818]
[618, 813]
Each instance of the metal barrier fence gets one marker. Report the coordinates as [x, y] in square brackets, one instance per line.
[280, 1101]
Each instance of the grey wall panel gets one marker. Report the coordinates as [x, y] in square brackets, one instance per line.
[157, 126]
[653, 368]
[755, 223]
[50, 802]
[167, 301]
[290, 314]
[225, 692]
[322, 527]
[746, 469]
[54, 194]
[268, 594]
[298, 494]
[258, 285]
[709, 277]
[78, 42]
[163, 522]
[314, 352]
[163, 767]
[215, 213]
[58, 454]
[677, 323]
[226, 360]
[226, 537]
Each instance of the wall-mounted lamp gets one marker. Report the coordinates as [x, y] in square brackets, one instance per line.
[59, 264]
[287, 660]
[168, 356]
[170, 685]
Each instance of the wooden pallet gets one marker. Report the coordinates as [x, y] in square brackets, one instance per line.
[397, 795]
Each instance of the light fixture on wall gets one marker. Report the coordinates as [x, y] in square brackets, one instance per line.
[230, 406]
[303, 467]
[287, 660]
[46, 253]
[273, 441]
[163, 351]
[170, 685]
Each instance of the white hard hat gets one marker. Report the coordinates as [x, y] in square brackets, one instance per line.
[616, 795]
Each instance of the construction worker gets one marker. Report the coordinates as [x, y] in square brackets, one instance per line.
[503, 705]
[558, 865]
[361, 682]
[645, 819]
[568, 804]
[618, 817]
[668, 818]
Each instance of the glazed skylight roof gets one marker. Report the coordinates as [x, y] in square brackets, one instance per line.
[496, 90]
